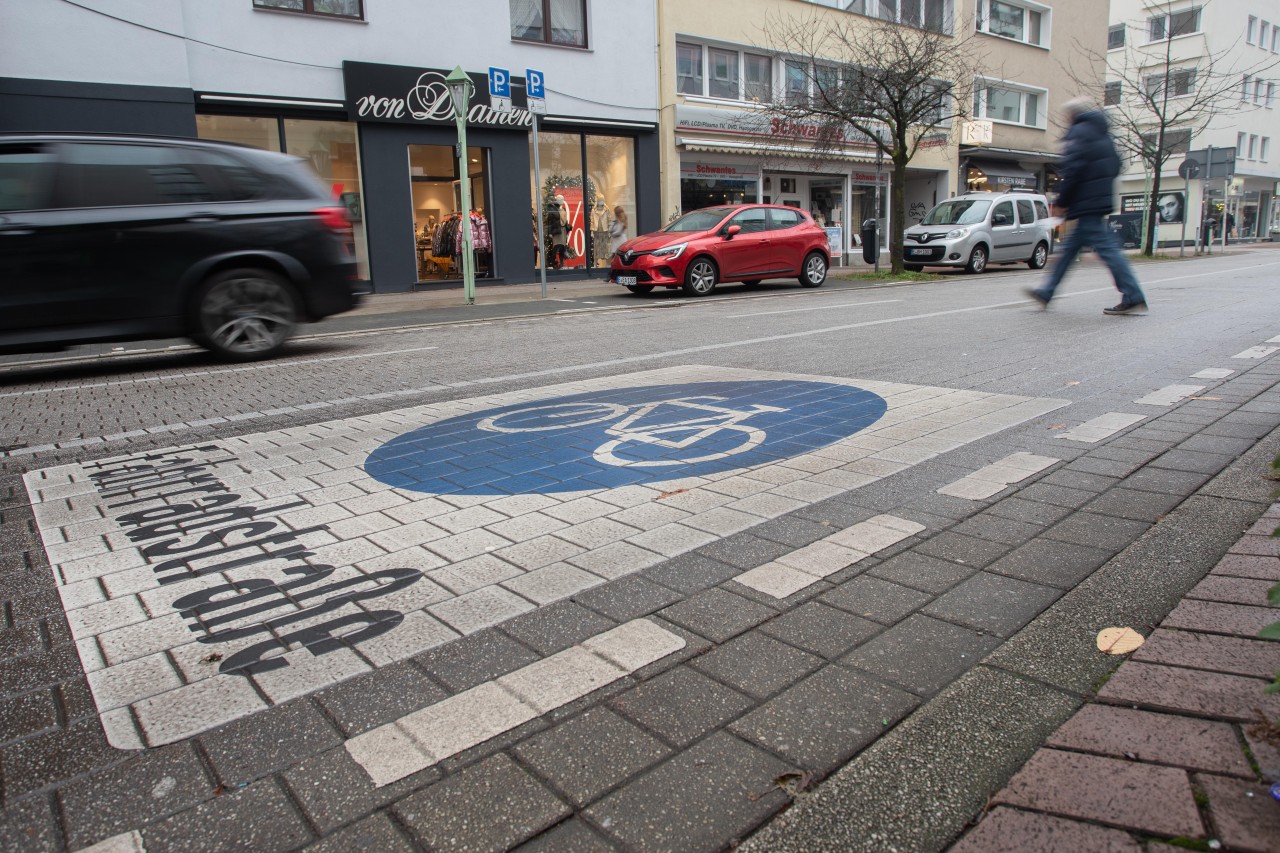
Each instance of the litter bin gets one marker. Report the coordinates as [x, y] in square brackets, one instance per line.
[870, 241]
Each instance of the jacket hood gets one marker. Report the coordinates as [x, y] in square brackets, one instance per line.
[1095, 120]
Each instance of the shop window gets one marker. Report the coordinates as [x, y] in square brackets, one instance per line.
[562, 22]
[253, 131]
[1022, 22]
[25, 173]
[586, 197]
[611, 172]
[438, 216]
[1010, 105]
[353, 9]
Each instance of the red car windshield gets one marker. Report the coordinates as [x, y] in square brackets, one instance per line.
[700, 220]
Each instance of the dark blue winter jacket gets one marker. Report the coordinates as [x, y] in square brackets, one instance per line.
[1088, 167]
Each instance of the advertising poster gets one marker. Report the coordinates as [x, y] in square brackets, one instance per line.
[573, 213]
[1169, 205]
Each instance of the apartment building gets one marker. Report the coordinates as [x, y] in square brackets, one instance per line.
[355, 87]
[1242, 38]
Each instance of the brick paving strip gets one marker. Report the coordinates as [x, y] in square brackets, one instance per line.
[1175, 746]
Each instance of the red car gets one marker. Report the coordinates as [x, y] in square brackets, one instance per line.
[746, 242]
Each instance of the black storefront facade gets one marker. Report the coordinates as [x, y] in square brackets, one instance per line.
[388, 151]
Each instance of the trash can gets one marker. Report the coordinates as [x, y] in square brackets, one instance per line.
[870, 241]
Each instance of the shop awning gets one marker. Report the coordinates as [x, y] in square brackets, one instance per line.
[725, 146]
[994, 169]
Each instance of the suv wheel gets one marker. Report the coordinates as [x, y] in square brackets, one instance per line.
[1039, 257]
[977, 259]
[815, 270]
[244, 314]
[700, 277]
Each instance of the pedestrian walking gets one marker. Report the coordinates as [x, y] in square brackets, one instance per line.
[1088, 171]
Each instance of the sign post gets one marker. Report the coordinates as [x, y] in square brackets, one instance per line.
[537, 96]
[1188, 170]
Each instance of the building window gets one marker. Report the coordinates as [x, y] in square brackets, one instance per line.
[1251, 30]
[932, 15]
[1018, 21]
[689, 69]
[724, 79]
[1244, 87]
[1173, 25]
[1240, 138]
[1111, 94]
[1271, 95]
[561, 22]
[1264, 34]
[1265, 152]
[587, 188]
[1176, 141]
[1182, 81]
[796, 81]
[1115, 37]
[758, 75]
[727, 68]
[353, 9]
[1002, 103]
[1253, 146]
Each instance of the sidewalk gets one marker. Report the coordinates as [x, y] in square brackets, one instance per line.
[1176, 744]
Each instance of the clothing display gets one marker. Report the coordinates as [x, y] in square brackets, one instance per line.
[600, 233]
[440, 250]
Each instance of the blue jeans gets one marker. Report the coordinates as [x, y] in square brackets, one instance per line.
[1093, 231]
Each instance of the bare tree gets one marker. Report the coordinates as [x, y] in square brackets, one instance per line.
[893, 87]
[1159, 96]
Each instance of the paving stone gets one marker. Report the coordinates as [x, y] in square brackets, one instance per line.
[716, 614]
[1078, 480]
[1187, 460]
[997, 529]
[1244, 813]
[554, 627]
[493, 805]
[1217, 444]
[279, 737]
[1215, 617]
[334, 790]
[921, 654]
[1051, 562]
[220, 824]
[757, 665]
[966, 550]
[737, 792]
[589, 754]
[1190, 691]
[681, 705]
[30, 824]
[744, 550]
[820, 629]
[627, 598]
[1032, 512]
[145, 787]
[572, 836]
[473, 660]
[1006, 830]
[55, 756]
[993, 604]
[690, 573]
[1165, 481]
[1232, 590]
[1132, 504]
[825, 719]
[922, 572]
[1056, 495]
[1265, 753]
[1185, 742]
[1091, 464]
[1156, 800]
[1249, 566]
[375, 834]
[370, 700]
[875, 599]
[1097, 531]
[792, 530]
[1266, 546]
[28, 714]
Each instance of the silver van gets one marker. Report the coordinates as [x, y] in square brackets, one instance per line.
[977, 229]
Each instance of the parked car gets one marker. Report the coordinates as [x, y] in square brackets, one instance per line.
[746, 242]
[112, 238]
[977, 229]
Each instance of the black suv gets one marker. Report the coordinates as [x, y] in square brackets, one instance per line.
[111, 238]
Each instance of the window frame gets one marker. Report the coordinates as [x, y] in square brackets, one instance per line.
[1182, 82]
[1166, 20]
[1112, 93]
[1182, 146]
[741, 55]
[981, 104]
[546, 28]
[309, 10]
[982, 21]
[1122, 30]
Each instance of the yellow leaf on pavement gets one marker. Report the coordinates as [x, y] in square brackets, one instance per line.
[1119, 641]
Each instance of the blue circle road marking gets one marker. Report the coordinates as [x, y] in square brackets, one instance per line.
[617, 437]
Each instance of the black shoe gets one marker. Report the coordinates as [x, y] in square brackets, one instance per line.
[1126, 308]
[1038, 297]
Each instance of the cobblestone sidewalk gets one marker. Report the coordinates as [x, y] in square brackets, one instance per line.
[1174, 750]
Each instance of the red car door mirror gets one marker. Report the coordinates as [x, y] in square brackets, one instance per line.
[731, 230]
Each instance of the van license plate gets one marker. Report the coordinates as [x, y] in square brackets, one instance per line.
[628, 280]
[920, 251]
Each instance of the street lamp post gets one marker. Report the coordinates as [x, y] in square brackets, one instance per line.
[460, 88]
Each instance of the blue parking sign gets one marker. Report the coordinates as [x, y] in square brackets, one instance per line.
[499, 83]
[534, 83]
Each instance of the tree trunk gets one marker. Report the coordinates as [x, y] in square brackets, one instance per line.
[897, 212]
[1153, 213]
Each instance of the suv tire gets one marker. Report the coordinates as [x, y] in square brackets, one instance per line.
[977, 259]
[245, 314]
[1039, 257]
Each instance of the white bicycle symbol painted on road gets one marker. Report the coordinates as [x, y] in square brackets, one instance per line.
[706, 421]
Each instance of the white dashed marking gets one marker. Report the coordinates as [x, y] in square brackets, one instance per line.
[997, 476]
[1213, 373]
[1102, 427]
[1169, 394]
[1256, 352]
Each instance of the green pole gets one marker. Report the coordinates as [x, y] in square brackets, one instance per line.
[459, 87]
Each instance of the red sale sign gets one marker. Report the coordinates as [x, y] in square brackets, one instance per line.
[577, 235]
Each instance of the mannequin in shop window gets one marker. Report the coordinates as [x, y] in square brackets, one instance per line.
[557, 229]
[600, 232]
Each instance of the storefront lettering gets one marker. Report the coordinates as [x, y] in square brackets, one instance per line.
[189, 525]
[429, 100]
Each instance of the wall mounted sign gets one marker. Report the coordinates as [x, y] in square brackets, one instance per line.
[400, 94]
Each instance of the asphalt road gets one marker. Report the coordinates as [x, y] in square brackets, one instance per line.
[469, 702]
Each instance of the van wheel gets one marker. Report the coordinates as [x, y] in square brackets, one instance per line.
[815, 270]
[640, 289]
[700, 277]
[245, 314]
[913, 267]
[1039, 257]
[977, 259]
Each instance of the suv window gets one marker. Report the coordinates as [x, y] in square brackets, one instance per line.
[1005, 209]
[125, 175]
[784, 219]
[751, 221]
[240, 183]
[1042, 210]
[25, 171]
[1026, 213]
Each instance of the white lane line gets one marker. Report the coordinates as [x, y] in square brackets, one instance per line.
[1275, 340]
[425, 737]
[1213, 373]
[791, 573]
[995, 477]
[125, 842]
[1102, 427]
[1256, 352]
[1168, 395]
[815, 308]
[177, 377]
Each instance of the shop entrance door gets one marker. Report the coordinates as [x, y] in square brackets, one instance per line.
[437, 217]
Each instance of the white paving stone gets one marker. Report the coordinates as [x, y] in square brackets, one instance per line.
[1169, 394]
[1215, 372]
[125, 842]
[1256, 352]
[1103, 426]
[308, 672]
[196, 707]
[776, 580]
[126, 683]
[821, 558]
[481, 609]
[561, 678]
[552, 583]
